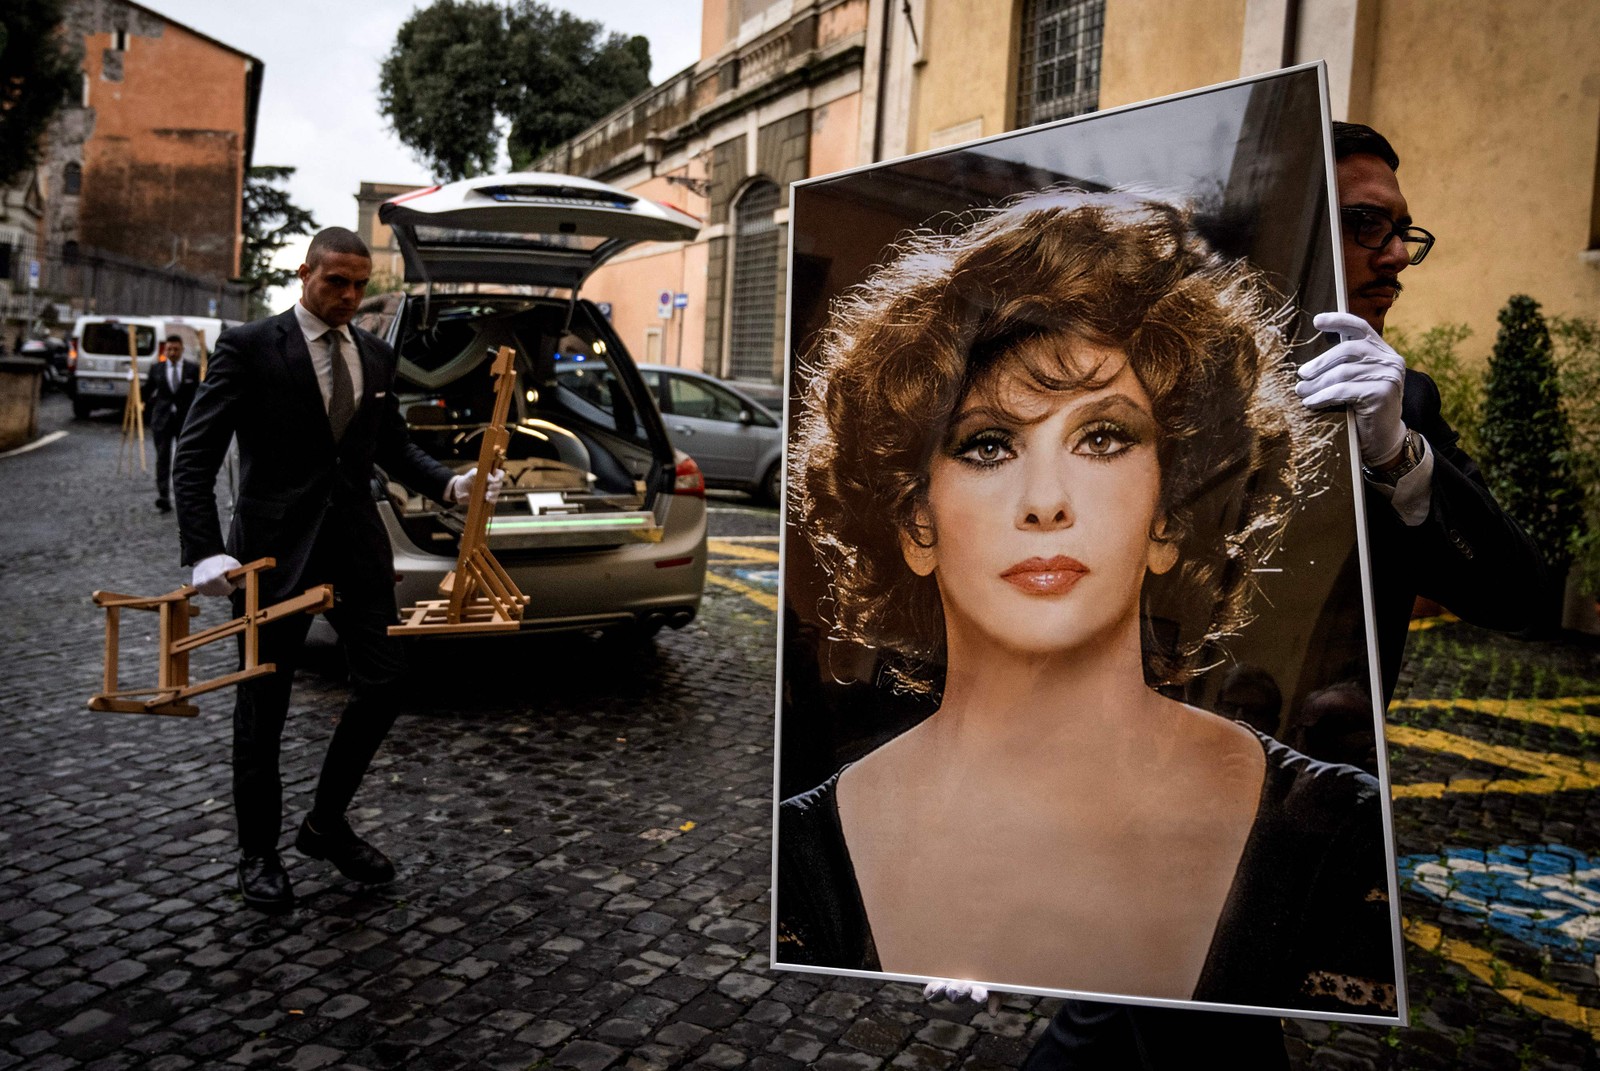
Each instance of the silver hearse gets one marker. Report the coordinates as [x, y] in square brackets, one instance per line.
[602, 523]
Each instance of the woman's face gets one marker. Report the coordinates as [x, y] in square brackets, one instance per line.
[1042, 504]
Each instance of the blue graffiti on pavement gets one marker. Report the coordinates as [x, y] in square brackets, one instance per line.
[1545, 894]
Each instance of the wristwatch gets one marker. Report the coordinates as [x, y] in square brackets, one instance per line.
[1411, 451]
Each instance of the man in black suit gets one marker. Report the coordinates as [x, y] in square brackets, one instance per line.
[311, 400]
[1432, 527]
[168, 391]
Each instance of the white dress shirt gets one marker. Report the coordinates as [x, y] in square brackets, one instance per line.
[1412, 494]
[321, 360]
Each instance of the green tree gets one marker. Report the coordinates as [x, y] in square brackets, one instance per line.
[1577, 356]
[464, 73]
[1436, 352]
[1527, 441]
[270, 220]
[40, 70]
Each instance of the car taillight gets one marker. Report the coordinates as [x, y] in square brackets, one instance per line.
[72, 355]
[687, 478]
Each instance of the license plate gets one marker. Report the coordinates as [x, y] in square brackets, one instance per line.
[97, 386]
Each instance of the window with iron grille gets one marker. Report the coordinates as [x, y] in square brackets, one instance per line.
[1059, 70]
[755, 284]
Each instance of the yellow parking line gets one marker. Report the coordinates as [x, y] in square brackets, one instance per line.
[1557, 713]
[1523, 990]
[1550, 772]
[741, 551]
[755, 595]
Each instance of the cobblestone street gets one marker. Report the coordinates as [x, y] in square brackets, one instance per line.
[583, 843]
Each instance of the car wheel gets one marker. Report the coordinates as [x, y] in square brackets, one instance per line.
[81, 409]
[772, 485]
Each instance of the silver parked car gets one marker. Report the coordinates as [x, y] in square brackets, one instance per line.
[601, 522]
[734, 438]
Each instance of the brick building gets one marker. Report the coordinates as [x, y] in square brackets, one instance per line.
[143, 176]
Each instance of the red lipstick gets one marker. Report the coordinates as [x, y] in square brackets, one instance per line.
[1046, 576]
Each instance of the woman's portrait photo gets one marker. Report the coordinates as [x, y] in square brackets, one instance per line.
[1051, 633]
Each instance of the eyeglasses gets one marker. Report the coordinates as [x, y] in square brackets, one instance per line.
[1372, 230]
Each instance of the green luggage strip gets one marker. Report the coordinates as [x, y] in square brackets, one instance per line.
[529, 523]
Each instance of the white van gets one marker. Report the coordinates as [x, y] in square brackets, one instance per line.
[98, 353]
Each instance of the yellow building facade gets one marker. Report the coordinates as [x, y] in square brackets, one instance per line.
[1492, 105]
[776, 97]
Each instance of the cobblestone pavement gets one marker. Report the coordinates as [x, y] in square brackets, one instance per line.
[583, 845]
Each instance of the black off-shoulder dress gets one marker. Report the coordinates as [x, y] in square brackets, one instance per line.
[1305, 926]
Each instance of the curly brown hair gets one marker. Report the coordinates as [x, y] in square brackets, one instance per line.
[1205, 336]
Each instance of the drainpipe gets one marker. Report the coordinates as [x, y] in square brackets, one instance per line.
[1291, 30]
[883, 79]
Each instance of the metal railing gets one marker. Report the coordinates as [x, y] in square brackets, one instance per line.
[34, 279]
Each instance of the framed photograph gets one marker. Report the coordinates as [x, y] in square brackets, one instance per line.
[1077, 676]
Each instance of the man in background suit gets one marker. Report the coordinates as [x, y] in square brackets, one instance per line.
[168, 391]
[311, 400]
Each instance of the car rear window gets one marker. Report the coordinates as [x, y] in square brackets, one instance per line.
[567, 374]
[112, 338]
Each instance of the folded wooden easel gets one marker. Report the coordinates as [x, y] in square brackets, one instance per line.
[133, 410]
[173, 688]
[481, 596]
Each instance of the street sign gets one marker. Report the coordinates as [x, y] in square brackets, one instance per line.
[680, 301]
[211, 307]
[664, 305]
[33, 275]
[604, 307]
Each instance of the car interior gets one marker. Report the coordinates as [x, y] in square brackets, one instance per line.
[582, 446]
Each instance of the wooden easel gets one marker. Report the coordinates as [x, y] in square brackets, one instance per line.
[172, 678]
[482, 597]
[133, 411]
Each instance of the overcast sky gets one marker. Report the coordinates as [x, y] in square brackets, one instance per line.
[319, 103]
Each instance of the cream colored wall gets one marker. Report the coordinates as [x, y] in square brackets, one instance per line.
[634, 280]
[1156, 47]
[1496, 122]
[632, 283]
[713, 26]
[835, 127]
[965, 70]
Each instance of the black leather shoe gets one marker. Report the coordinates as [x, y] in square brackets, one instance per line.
[339, 845]
[163, 505]
[264, 883]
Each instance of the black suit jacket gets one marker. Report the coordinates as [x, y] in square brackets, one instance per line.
[298, 490]
[1467, 555]
[165, 408]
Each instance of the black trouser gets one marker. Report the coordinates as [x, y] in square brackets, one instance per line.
[165, 439]
[1089, 1036]
[376, 662]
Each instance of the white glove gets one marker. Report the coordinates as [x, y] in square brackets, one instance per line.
[461, 486]
[955, 992]
[210, 574]
[1365, 373]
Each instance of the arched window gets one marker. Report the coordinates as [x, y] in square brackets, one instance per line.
[1059, 70]
[72, 180]
[755, 284]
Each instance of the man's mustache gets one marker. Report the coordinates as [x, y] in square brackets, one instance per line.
[1382, 282]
